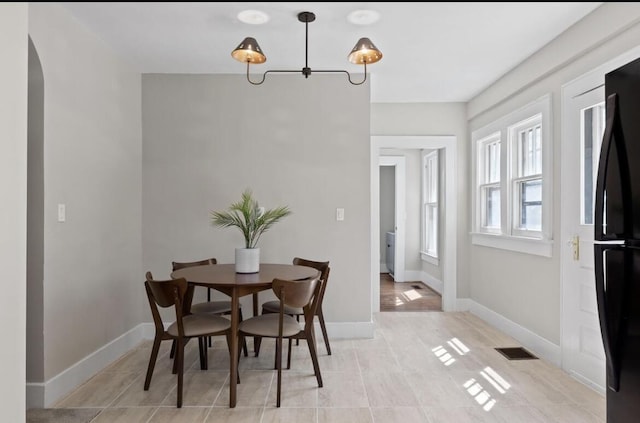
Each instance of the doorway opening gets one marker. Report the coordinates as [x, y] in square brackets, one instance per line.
[447, 145]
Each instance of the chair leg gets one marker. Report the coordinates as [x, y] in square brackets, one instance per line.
[204, 353]
[324, 331]
[180, 361]
[314, 357]
[257, 341]
[279, 367]
[152, 361]
[289, 354]
[172, 354]
[298, 340]
[244, 340]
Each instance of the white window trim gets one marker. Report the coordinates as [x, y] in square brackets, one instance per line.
[426, 255]
[480, 217]
[508, 239]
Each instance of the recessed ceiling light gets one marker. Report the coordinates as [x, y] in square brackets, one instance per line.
[253, 17]
[363, 17]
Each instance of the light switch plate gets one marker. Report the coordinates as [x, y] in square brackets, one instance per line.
[62, 213]
[339, 214]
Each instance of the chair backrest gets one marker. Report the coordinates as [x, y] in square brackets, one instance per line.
[182, 264]
[303, 294]
[322, 267]
[296, 294]
[167, 293]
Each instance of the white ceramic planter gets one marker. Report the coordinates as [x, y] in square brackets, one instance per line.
[247, 260]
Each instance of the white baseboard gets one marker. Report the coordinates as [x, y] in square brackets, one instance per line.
[422, 276]
[538, 345]
[433, 283]
[463, 304]
[41, 395]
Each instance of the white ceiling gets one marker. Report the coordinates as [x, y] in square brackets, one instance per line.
[433, 52]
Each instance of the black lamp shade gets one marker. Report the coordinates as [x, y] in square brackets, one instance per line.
[249, 51]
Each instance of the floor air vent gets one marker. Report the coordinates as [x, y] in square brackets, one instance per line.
[516, 353]
[416, 287]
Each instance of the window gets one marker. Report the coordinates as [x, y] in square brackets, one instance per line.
[430, 192]
[512, 179]
[592, 128]
[489, 178]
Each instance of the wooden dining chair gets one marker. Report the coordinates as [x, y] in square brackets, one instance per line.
[303, 294]
[274, 306]
[171, 293]
[208, 307]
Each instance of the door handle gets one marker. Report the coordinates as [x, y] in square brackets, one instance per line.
[575, 245]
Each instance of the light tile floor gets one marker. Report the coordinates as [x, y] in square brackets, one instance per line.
[429, 367]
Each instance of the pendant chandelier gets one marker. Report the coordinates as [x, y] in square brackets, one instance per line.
[363, 53]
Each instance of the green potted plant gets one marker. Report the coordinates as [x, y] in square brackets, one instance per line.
[253, 221]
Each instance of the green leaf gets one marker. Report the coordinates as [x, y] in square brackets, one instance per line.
[245, 215]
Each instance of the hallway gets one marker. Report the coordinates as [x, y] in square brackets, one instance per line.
[407, 296]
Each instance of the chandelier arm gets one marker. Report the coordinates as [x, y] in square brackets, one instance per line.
[249, 79]
[348, 74]
[264, 75]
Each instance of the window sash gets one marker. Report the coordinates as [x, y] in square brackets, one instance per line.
[530, 151]
[528, 209]
[490, 200]
[430, 199]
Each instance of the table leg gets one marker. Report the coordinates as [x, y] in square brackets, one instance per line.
[233, 356]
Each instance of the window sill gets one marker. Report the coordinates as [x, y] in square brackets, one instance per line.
[533, 246]
[429, 258]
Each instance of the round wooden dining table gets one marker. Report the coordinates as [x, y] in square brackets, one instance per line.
[223, 278]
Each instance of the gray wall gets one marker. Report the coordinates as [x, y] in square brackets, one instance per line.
[35, 220]
[529, 286]
[413, 198]
[294, 141]
[13, 213]
[92, 163]
[434, 119]
[387, 209]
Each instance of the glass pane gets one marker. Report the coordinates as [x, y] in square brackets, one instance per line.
[492, 162]
[531, 205]
[432, 232]
[530, 151]
[433, 180]
[593, 121]
[492, 207]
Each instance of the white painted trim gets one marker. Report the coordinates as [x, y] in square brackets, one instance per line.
[538, 247]
[538, 345]
[41, 395]
[422, 276]
[428, 258]
[463, 304]
[433, 283]
[449, 248]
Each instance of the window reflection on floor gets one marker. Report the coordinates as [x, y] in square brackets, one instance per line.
[407, 296]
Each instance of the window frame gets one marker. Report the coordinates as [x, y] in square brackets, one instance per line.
[430, 200]
[483, 185]
[510, 236]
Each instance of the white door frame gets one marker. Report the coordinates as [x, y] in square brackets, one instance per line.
[574, 88]
[448, 144]
[400, 167]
